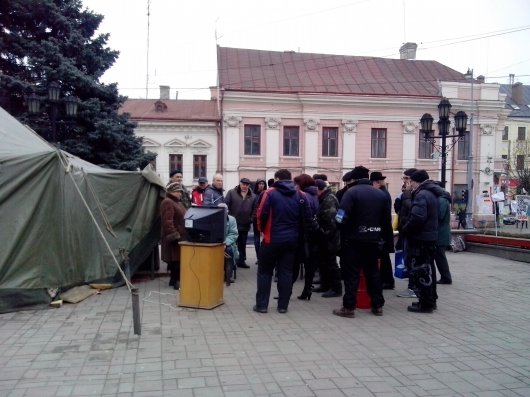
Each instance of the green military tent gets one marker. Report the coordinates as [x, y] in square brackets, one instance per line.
[66, 222]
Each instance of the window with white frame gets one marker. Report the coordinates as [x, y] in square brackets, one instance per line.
[378, 143]
[252, 140]
[199, 166]
[330, 141]
[291, 141]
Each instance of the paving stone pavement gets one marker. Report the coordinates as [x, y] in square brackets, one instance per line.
[476, 344]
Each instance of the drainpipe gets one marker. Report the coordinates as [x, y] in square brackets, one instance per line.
[219, 132]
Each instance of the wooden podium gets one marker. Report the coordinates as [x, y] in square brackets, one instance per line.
[201, 275]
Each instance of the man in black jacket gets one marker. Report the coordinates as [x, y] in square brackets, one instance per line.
[421, 232]
[365, 229]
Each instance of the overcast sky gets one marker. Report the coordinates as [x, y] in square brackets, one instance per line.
[492, 37]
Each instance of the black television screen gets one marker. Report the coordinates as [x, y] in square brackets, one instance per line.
[205, 224]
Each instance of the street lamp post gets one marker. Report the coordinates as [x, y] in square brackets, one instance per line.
[444, 110]
[34, 102]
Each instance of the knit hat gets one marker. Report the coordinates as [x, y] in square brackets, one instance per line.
[320, 184]
[409, 171]
[419, 176]
[174, 187]
[360, 172]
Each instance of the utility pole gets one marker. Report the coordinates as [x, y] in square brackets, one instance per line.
[470, 195]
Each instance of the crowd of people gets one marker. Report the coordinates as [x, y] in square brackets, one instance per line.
[301, 223]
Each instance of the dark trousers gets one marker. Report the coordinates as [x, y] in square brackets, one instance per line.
[310, 260]
[242, 245]
[257, 238]
[441, 263]
[423, 271]
[330, 277]
[174, 271]
[280, 256]
[354, 258]
[385, 270]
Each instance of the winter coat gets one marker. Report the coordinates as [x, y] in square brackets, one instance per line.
[197, 196]
[257, 200]
[213, 196]
[282, 213]
[444, 220]
[341, 192]
[310, 194]
[240, 207]
[422, 224]
[366, 216]
[231, 235]
[328, 232]
[172, 229]
[402, 207]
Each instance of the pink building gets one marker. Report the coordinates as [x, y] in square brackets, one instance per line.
[316, 113]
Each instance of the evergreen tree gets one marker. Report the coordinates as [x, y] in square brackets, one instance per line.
[44, 41]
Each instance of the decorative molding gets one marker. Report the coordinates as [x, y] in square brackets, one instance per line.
[232, 121]
[272, 122]
[176, 143]
[487, 129]
[311, 124]
[200, 144]
[409, 127]
[150, 143]
[350, 125]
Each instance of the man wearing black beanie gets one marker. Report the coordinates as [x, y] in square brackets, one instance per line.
[421, 232]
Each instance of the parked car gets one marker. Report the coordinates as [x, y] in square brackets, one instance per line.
[509, 220]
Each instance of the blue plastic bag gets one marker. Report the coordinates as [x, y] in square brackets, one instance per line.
[400, 270]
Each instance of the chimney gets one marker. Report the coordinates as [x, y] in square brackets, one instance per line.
[481, 79]
[408, 51]
[517, 93]
[176, 94]
[164, 92]
[512, 79]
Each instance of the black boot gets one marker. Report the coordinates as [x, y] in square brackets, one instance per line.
[306, 294]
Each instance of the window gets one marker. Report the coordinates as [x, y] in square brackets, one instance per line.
[330, 141]
[378, 142]
[175, 162]
[199, 166]
[521, 134]
[291, 141]
[425, 148]
[520, 162]
[463, 148]
[252, 139]
[505, 134]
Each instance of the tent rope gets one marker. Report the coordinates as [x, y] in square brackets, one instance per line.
[67, 167]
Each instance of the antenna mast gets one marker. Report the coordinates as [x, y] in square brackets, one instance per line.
[147, 66]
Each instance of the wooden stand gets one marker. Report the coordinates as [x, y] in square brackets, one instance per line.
[201, 275]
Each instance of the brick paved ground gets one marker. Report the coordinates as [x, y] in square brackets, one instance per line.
[476, 344]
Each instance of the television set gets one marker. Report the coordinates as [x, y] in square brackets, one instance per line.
[205, 224]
